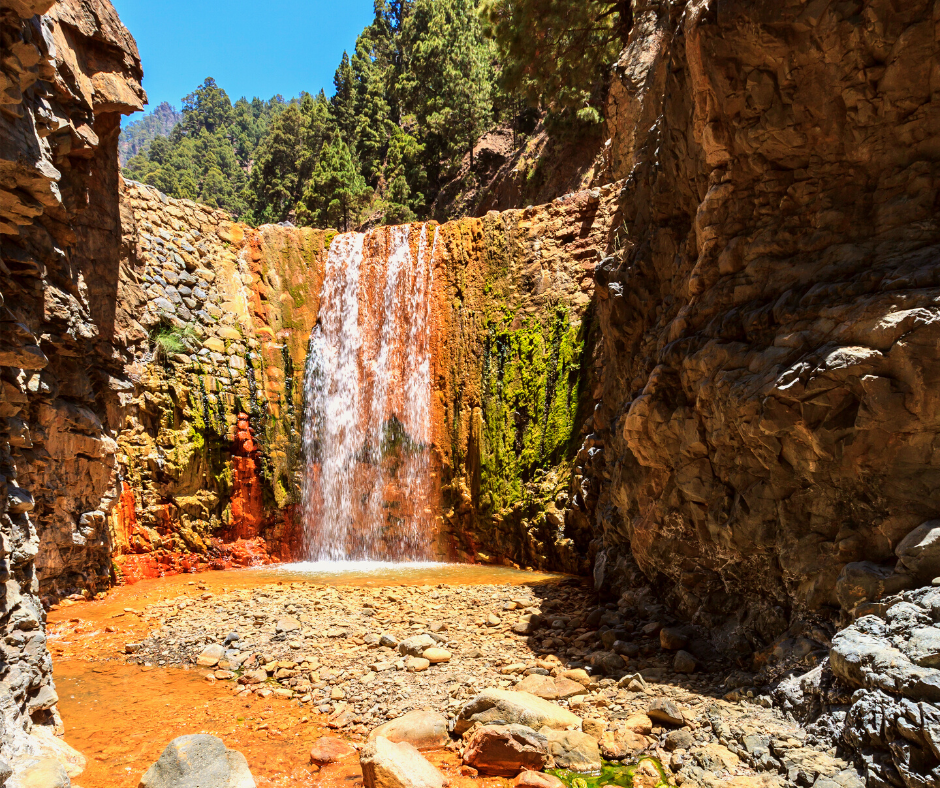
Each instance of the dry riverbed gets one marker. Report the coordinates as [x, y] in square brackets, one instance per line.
[352, 658]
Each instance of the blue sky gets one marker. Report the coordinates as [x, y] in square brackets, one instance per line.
[251, 48]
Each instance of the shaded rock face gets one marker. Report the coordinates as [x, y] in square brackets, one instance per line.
[769, 323]
[68, 72]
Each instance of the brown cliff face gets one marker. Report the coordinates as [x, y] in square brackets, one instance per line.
[770, 326]
[68, 71]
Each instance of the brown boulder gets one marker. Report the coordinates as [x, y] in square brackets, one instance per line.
[329, 749]
[388, 764]
[506, 750]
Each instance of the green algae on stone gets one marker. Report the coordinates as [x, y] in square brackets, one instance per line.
[610, 774]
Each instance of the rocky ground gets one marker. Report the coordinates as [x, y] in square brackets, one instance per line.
[636, 685]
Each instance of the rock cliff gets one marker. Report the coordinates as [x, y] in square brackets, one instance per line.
[210, 454]
[67, 73]
[770, 321]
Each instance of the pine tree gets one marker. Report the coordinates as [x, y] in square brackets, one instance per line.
[448, 77]
[207, 107]
[343, 102]
[286, 158]
[558, 52]
[337, 192]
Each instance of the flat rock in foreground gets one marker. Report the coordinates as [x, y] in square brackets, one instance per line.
[506, 750]
[494, 706]
[198, 761]
[388, 764]
[424, 729]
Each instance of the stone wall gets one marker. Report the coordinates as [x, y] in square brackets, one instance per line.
[769, 410]
[68, 71]
[210, 453]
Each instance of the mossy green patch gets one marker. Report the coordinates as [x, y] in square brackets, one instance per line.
[531, 389]
[610, 774]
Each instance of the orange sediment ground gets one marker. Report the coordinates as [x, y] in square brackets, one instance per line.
[121, 716]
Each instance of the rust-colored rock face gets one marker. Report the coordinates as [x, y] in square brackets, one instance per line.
[771, 329]
[469, 456]
[67, 72]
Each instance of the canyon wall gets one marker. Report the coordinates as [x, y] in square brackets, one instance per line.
[210, 454]
[67, 73]
[769, 418]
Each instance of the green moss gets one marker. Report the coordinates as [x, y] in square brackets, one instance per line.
[610, 774]
[531, 390]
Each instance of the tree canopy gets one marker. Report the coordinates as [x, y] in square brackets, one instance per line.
[425, 80]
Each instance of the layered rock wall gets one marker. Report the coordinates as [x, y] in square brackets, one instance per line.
[770, 324]
[67, 73]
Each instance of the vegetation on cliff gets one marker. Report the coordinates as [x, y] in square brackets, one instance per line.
[425, 80]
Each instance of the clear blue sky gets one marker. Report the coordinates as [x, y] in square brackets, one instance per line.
[251, 48]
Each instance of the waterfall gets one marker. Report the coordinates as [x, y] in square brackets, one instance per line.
[369, 477]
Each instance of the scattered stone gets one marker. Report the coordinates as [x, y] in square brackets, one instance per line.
[507, 706]
[329, 749]
[388, 764]
[210, 656]
[684, 662]
[417, 664]
[573, 750]
[530, 779]
[198, 761]
[436, 655]
[506, 750]
[424, 729]
[665, 711]
[416, 645]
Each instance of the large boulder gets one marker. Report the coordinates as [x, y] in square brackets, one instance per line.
[574, 750]
[919, 551]
[506, 707]
[506, 750]
[198, 761]
[387, 764]
[422, 728]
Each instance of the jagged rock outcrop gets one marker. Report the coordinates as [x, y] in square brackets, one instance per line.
[890, 660]
[770, 322]
[67, 73]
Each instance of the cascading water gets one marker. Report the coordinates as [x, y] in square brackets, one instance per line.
[369, 479]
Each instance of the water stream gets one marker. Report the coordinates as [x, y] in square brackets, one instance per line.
[370, 482]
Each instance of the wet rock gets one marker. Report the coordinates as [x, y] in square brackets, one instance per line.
[573, 750]
[494, 706]
[506, 750]
[618, 745]
[530, 779]
[329, 749]
[424, 729]
[197, 761]
[387, 764]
